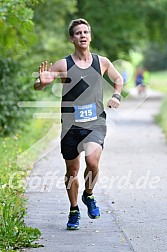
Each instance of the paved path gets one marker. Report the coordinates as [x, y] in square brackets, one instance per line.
[131, 190]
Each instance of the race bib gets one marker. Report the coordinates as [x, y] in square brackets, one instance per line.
[85, 113]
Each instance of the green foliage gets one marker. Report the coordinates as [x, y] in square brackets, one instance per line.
[155, 57]
[19, 58]
[14, 234]
[155, 20]
[161, 117]
[120, 26]
[13, 231]
[16, 36]
[158, 81]
[16, 28]
[22, 48]
[14, 85]
[51, 20]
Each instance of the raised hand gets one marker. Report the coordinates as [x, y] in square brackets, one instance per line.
[46, 75]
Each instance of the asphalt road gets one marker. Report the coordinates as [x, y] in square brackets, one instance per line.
[131, 191]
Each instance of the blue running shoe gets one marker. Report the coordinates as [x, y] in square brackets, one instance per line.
[73, 221]
[93, 210]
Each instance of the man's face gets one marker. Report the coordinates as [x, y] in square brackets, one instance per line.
[82, 36]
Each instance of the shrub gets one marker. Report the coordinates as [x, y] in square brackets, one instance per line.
[15, 86]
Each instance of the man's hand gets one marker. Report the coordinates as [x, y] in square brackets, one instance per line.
[45, 74]
[113, 103]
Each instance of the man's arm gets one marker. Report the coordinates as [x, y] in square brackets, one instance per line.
[117, 79]
[48, 74]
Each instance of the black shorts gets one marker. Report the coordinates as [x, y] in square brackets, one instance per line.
[72, 141]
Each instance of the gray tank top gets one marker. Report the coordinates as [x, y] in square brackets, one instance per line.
[82, 95]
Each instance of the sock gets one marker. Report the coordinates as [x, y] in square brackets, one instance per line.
[74, 208]
[86, 194]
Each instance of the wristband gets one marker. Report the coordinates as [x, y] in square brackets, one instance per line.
[117, 96]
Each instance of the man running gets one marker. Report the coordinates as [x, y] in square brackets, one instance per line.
[83, 117]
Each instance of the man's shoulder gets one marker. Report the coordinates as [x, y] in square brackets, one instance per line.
[60, 65]
[61, 62]
[105, 63]
[104, 60]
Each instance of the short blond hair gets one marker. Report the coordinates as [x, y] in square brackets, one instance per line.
[76, 22]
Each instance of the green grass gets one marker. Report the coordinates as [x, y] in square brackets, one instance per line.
[161, 118]
[158, 81]
[14, 234]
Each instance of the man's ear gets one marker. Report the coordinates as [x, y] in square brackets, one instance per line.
[71, 39]
[90, 36]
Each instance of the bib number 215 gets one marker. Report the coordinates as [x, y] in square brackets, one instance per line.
[85, 113]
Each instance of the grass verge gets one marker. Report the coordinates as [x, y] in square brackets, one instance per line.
[158, 81]
[14, 233]
[161, 118]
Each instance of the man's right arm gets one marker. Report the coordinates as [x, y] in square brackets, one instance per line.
[48, 74]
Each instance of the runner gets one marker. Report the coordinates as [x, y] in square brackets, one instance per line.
[139, 81]
[83, 117]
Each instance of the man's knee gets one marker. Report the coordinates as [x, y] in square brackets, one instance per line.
[92, 164]
[72, 172]
[72, 168]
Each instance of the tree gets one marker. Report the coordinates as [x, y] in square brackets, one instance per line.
[15, 40]
[51, 21]
[119, 26]
[30, 33]
[16, 28]
[155, 57]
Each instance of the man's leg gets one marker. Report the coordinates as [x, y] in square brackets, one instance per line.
[71, 180]
[72, 185]
[93, 153]
[92, 156]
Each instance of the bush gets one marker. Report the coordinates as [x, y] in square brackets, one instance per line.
[155, 57]
[14, 234]
[17, 37]
[15, 86]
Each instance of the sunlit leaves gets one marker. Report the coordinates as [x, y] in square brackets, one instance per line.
[119, 25]
[16, 26]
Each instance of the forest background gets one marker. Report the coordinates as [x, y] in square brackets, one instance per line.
[32, 31]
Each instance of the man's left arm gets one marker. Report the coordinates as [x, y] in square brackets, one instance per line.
[117, 79]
